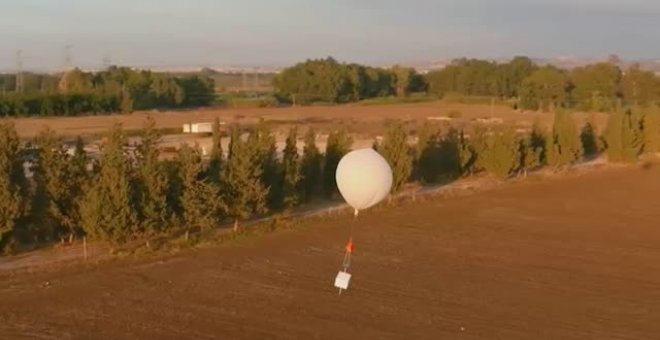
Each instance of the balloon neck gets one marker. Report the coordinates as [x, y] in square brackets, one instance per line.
[355, 213]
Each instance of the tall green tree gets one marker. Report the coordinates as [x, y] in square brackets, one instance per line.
[596, 86]
[324, 80]
[291, 174]
[338, 144]
[109, 211]
[430, 155]
[14, 203]
[80, 159]
[75, 81]
[545, 89]
[216, 156]
[152, 181]
[80, 168]
[262, 143]
[532, 149]
[242, 186]
[126, 101]
[397, 152]
[500, 154]
[402, 79]
[512, 74]
[590, 140]
[467, 155]
[652, 131]
[199, 198]
[310, 166]
[444, 157]
[479, 143]
[424, 139]
[639, 87]
[563, 146]
[476, 77]
[624, 136]
[467, 77]
[58, 187]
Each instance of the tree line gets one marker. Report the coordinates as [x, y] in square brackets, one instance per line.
[327, 80]
[117, 89]
[600, 86]
[130, 192]
[440, 154]
[50, 191]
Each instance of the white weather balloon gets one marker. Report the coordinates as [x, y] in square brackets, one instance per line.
[364, 178]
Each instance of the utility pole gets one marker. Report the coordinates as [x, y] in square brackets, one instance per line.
[63, 84]
[68, 58]
[19, 72]
[106, 62]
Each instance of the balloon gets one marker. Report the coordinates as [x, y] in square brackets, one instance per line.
[364, 178]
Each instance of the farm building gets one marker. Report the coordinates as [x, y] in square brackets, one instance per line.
[205, 127]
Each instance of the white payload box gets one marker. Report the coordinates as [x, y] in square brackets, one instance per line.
[342, 280]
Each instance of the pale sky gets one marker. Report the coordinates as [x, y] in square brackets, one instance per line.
[176, 33]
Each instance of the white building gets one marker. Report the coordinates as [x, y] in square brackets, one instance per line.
[205, 127]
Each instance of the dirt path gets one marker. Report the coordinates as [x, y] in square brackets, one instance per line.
[572, 258]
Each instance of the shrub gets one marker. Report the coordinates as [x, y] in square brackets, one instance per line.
[563, 146]
[652, 131]
[500, 152]
[396, 151]
[455, 114]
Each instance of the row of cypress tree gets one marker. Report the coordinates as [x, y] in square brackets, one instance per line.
[442, 154]
[129, 191]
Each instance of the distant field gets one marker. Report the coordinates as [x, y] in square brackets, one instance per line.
[364, 120]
